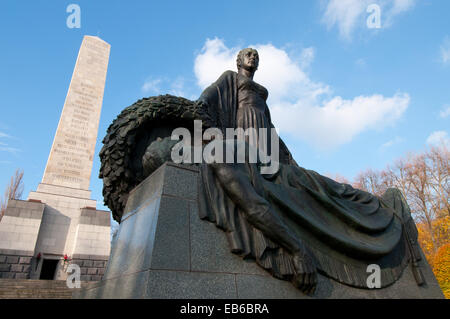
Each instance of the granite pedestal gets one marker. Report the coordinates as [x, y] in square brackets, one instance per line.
[164, 250]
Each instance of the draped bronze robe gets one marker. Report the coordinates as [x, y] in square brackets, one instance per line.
[345, 229]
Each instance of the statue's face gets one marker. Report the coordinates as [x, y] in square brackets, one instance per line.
[250, 60]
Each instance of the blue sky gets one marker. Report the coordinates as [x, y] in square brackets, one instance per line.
[344, 97]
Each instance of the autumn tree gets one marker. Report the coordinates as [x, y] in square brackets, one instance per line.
[424, 181]
[338, 178]
[370, 181]
[441, 231]
[441, 269]
[13, 190]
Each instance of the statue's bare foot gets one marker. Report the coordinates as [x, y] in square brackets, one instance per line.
[305, 277]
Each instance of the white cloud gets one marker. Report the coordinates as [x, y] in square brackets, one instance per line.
[398, 7]
[445, 112]
[213, 60]
[177, 87]
[338, 121]
[445, 51]
[152, 86]
[347, 15]
[307, 57]
[299, 106]
[159, 85]
[5, 147]
[8, 149]
[439, 138]
[390, 143]
[4, 135]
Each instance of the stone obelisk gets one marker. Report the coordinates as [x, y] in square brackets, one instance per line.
[72, 152]
[70, 224]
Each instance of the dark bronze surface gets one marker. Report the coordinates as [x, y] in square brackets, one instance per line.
[292, 223]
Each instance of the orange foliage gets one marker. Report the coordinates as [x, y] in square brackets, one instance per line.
[424, 181]
[438, 253]
[441, 269]
[440, 229]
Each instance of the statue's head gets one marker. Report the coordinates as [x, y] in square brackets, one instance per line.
[248, 59]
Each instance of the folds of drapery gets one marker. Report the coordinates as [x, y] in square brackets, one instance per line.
[345, 229]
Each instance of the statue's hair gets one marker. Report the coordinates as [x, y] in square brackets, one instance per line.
[240, 56]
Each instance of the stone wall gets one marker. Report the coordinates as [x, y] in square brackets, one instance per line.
[19, 230]
[15, 264]
[25, 231]
[58, 231]
[92, 266]
[19, 227]
[93, 236]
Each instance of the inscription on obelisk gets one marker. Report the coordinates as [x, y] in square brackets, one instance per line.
[70, 161]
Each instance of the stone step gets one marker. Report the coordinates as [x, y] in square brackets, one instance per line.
[37, 283]
[43, 286]
[36, 294]
[35, 289]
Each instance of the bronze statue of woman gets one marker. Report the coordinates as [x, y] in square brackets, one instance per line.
[297, 221]
[294, 223]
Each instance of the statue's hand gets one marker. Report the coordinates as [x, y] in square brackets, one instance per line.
[305, 277]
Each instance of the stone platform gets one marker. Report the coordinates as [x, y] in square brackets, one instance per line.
[164, 250]
[34, 289]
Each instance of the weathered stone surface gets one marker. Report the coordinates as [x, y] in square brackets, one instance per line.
[16, 252]
[12, 259]
[16, 268]
[81, 113]
[22, 276]
[96, 278]
[26, 269]
[92, 271]
[133, 246]
[172, 252]
[190, 285]
[130, 286]
[5, 267]
[180, 182]
[213, 271]
[7, 275]
[25, 260]
[210, 250]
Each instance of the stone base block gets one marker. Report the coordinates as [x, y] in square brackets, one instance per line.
[164, 250]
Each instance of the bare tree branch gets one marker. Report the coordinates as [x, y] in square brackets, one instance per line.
[14, 190]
